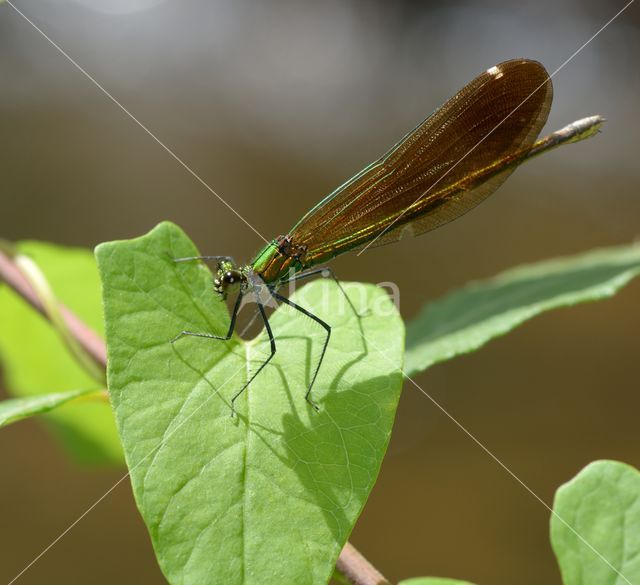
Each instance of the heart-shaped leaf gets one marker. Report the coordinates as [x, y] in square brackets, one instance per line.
[271, 495]
[595, 528]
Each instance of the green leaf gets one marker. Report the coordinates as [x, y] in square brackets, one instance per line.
[271, 495]
[465, 320]
[595, 527]
[35, 362]
[433, 581]
[16, 409]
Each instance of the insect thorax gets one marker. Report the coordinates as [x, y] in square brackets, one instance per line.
[280, 258]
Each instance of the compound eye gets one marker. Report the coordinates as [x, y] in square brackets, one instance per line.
[229, 277]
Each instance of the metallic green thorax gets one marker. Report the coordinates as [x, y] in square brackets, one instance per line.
[280, 259]
[264, 257]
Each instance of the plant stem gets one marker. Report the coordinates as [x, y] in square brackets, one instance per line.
[357, 569]
[31, 271]
[351, 563]
[92, 344]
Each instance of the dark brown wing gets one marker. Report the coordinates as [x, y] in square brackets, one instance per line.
[442, 169]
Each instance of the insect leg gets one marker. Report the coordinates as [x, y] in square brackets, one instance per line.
[232, 326]
[326, 327]
[272, 342]
[211, 258]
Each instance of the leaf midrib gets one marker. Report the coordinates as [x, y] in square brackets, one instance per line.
[247, 347]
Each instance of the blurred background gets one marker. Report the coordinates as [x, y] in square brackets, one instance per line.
[274, 104]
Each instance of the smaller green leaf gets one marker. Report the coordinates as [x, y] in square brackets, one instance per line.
[465, 320]
[433, 581]
[35, 362]
[16, 409]
[595, 528]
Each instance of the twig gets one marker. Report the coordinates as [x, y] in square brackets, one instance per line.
[87, 338]
[351, 563]
[357, 569]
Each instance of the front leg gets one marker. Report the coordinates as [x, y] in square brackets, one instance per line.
[232, 326]
[206, 258]
[272, 342]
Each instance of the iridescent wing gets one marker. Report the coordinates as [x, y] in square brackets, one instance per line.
[446, 166]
